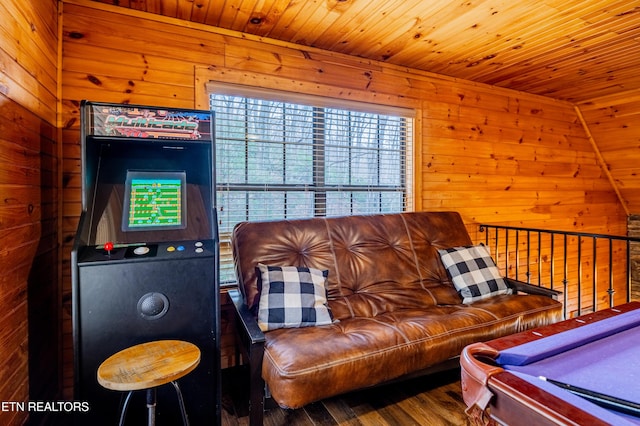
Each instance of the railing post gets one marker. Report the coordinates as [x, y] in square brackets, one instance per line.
[552, 268]
[595, 275]
[506, 251]
[517, 254]
[539, 258]
[497, 247]
[628, 270]
[611, 290]
[565, 280]
[528, 273]
[579, 276]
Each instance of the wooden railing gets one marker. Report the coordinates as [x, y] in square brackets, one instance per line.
[593, 271]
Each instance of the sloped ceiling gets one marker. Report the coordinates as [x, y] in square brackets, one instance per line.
[574, 50]
[583, 51]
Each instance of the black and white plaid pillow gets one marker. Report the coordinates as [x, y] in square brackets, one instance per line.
[292, 297]
[473, 272]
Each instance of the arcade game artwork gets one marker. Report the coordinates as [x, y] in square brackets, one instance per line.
[145, 256]
[149, 123]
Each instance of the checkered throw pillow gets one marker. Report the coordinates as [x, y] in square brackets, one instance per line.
[473, 272]
[292, 297]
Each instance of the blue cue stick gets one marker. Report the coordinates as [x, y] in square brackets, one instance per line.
[601, 399]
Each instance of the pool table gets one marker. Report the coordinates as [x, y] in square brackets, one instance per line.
[510, 380]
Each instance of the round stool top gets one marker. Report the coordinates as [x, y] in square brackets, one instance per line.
[148, 365]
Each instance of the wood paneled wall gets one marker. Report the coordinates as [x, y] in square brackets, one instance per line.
[494, 155]
[29, 290]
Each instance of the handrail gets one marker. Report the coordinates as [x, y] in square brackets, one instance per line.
[587, 282]
[552, 231]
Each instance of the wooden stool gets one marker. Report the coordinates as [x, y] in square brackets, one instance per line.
[147, 366]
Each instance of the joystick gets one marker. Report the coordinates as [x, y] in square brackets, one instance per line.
[108, 246]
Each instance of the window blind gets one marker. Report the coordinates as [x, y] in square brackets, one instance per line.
[287, 160]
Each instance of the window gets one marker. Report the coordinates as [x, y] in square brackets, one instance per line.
[277, 159]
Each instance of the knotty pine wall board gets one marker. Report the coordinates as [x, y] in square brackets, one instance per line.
[29, 57]
[29, 286]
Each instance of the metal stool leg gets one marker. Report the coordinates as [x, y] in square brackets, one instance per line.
[185, 420]
[151, 406]
[123, 414]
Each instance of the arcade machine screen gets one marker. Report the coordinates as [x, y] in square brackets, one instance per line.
[154, 200]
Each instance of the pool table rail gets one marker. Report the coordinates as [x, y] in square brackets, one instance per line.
[494, 395]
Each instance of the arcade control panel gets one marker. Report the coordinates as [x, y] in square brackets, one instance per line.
[110, 252]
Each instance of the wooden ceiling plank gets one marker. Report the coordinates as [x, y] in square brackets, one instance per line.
[185, 9]
[387, 24]
[154, 6]
[458, 49]
[532, 31]
[529, 38]
[348, 18]
[592, 47]
[229, 12]
[612, 10]
[602, 70]
[271, 12]
[579, 8]
[169, 8]
[124, 3]
[575, 63]
[563, 58]
[418, 24]
[317, 23]
[214, 12]
[355, 22]
[295, 17]
[246, 10]
[541, 82]
[137, 4]
[200, 10]
[411, 15]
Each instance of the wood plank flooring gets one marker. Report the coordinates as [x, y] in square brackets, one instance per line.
[432, 400]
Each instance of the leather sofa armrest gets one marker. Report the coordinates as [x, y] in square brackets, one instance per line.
[521, 286]
[252, 347]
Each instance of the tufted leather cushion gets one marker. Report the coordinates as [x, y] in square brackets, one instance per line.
[377, 263]
[309, 364]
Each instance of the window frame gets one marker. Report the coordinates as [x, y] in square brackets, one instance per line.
[406, 161]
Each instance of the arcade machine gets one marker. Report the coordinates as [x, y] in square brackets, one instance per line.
[145, 257]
